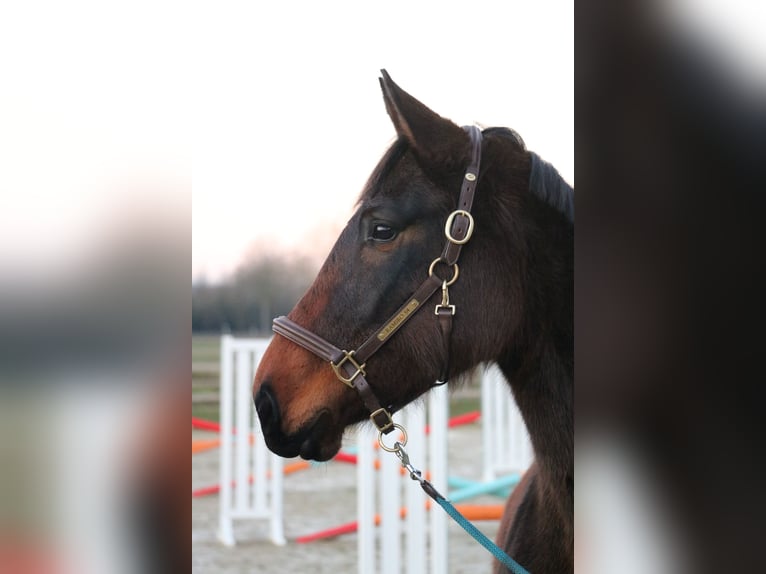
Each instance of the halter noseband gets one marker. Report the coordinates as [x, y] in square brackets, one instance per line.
[349, 366]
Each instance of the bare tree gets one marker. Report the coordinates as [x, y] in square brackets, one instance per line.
[259, 290]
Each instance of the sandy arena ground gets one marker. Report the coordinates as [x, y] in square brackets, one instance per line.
[315, 499]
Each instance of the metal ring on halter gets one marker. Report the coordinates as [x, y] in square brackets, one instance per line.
[448, 227]
[438, 260]
[397, 444]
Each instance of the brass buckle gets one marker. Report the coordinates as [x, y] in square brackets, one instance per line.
[448, 227]
[359, 368]
[388, 426]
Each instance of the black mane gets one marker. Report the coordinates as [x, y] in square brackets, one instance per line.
[546, 183]
[544, 180]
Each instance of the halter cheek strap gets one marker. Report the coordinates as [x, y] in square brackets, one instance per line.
[349, 366]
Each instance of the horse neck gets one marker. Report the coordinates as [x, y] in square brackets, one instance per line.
[539, 362]
[543, 391]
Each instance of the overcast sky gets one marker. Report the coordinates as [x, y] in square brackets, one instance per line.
[265, 117]
[268, 115]
[291, 119]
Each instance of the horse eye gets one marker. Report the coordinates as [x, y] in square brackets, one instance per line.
[383, 232]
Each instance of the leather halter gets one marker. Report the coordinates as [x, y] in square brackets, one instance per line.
[349, 366]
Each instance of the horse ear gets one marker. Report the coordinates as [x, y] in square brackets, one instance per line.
[434, 139]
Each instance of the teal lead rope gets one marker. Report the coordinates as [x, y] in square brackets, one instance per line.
[479, 536]
[428, 488]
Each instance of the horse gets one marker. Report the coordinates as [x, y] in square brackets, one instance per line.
[509, 302]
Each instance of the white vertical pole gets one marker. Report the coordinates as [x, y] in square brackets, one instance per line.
[438, 402]
[261, 482]
[225, 529]
[501, 428]
[241, 438]
[277, 534]
[415, 497]
[390, 522]
[239, 459]
[365, 499]
[487, 424]
[515, 436]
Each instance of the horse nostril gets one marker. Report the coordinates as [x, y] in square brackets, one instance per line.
[266, 407]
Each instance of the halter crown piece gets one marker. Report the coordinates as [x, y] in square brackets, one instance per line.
[349, 366]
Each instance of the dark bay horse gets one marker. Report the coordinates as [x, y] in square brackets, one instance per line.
[513, 305]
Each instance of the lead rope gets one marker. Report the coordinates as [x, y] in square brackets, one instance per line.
[449, 508]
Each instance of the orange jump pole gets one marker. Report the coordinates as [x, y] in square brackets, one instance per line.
[470, 511]
[202, 445]
[216, 488]
[205, 444]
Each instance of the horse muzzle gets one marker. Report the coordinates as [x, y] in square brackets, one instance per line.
[314, 441]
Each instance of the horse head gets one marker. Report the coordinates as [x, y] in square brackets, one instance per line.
[382, 256]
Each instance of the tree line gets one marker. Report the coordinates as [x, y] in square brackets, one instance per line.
[250, 298]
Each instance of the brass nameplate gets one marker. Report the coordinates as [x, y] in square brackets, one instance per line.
[394, 323]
